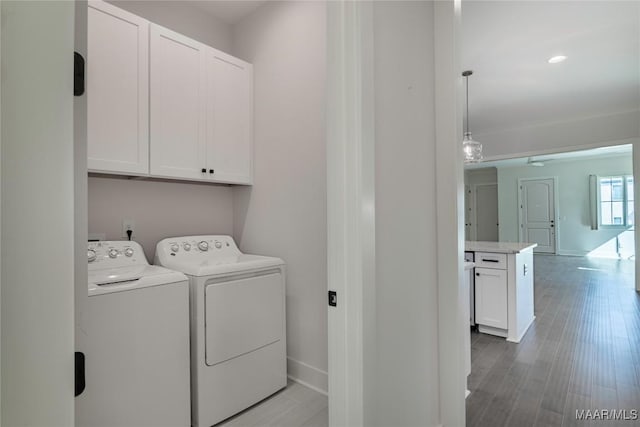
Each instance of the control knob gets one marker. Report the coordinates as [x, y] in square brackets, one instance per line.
[218, 245]
[186, 246]
[203, 246]
[128, 252]
[175, 247]
[91, 255]
[113, 253]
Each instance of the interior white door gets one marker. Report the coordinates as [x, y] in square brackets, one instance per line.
[486, 212]
[537, 219]
[117, 90]
[229, 118]
[177, 105]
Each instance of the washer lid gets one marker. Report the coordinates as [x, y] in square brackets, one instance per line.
[221, 266]
[121, 279]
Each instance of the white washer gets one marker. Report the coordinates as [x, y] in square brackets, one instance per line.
[137, 326]
[238, 339]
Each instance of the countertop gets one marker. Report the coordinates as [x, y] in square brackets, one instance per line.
[498, 247]
[468, 265]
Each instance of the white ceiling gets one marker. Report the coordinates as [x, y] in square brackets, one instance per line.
[507, 45]
[546, 159]
[229, 11]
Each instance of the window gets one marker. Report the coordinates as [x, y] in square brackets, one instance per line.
[615, 201]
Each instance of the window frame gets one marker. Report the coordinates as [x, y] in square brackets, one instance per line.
[625, 201]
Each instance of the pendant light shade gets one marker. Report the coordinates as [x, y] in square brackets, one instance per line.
[472, 149]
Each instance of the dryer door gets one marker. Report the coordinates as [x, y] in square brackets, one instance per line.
[243, 315]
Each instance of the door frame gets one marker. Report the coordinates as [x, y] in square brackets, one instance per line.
[474, 208]
[555, 210]
[351, 210]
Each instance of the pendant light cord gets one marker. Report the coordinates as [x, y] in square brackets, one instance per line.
[466, 78]
[466, 75]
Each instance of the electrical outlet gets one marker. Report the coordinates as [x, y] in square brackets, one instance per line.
[127, 224]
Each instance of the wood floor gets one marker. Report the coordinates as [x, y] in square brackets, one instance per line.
[295, 406]
[582, 352]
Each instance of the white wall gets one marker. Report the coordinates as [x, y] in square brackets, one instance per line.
[284, 213]
[160, 209]
[37, 213]
[406, 268]
[575, 236]
[183, 18]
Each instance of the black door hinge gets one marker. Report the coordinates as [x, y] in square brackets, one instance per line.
[78, 74]
[80, 376]
[333, 298]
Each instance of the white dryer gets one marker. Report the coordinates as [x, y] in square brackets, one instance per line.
[238, 338]
[137, 355]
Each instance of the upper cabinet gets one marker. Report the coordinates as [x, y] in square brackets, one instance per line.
[230, 114]
[201, 103]
[166, 104]
[117, 91]
[178, 100]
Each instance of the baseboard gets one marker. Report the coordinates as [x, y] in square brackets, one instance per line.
[572, 253]
[307, 375]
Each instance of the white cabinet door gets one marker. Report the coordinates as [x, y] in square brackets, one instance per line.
[229, 118]
[177, 105]
[491, 297]
[117, 91]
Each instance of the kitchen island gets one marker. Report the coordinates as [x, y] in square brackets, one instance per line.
[504, 303]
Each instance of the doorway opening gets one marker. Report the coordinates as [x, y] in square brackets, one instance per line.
[578, 203]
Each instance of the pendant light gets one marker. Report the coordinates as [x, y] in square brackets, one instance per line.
[472, 149]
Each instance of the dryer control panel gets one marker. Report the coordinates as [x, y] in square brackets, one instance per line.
[193, 247]
[114, 253]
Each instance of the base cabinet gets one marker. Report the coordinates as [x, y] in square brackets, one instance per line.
[504, 297]
[491, 297]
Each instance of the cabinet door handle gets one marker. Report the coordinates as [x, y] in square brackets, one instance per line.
[211, 171]
[203, 170]
[477, 274]
[489, 260]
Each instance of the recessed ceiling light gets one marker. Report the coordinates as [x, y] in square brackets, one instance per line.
[556, 59]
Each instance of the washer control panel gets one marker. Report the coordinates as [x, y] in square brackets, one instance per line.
[217, 246]
[114, 253]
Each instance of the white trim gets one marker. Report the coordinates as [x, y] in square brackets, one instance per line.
[307, 375]
[450, 211]
[556, 227]
[307, 385]
[350, 209]
[636, 172]
[556, 150]
[568, 252]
